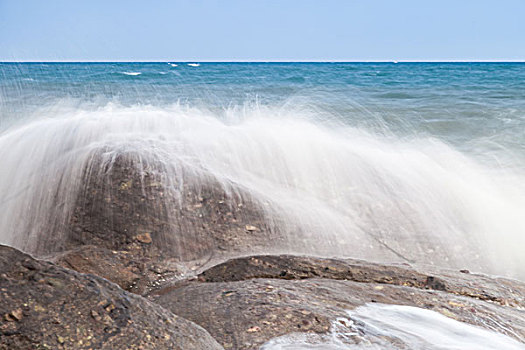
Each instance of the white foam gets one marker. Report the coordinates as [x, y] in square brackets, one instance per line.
[193, 64]
[329, 190]
[132, 73]
[397, 327]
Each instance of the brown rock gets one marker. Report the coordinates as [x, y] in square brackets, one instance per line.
[190, 220]
[246, 302]
[144, 238]
[17, 314]
[134, 270]
[56, 301]
[243, 302]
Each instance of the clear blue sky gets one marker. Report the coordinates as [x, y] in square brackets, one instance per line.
[260, 30]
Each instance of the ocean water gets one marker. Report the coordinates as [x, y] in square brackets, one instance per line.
[410, 162]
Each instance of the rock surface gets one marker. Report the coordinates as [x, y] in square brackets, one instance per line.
[134, 269]
[151, 236]
[289, 267]
[138, 229]
[189, 217]
[245, 302]
[43, 306]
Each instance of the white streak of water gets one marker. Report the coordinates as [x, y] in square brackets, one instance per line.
[341, 189]
[397, 327]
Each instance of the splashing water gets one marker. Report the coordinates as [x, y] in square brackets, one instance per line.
[359, 194]
[397, 327]
[326, 184]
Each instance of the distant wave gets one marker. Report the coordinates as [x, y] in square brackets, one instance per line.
[173, 64]
[193, 64]
[132, 73]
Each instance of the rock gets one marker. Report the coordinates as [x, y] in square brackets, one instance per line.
[144, 238]
[187, 221]
[245, 302]
[17, 314]
[198, 224]
[193, 219]
[58, 307]
[500, 290]
[135, 270]
[161, 229]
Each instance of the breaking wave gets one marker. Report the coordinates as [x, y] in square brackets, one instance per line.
[328, 188]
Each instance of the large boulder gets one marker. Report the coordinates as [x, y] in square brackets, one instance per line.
[44, 306]
[246, 302]
[138, 228]
[152, 235]
[181, 213]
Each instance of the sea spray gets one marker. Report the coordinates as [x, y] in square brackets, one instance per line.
[324, 188]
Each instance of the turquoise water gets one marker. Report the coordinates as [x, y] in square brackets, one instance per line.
[461, 103]
[417, 162]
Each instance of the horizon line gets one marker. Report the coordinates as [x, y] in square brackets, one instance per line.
[268, 61]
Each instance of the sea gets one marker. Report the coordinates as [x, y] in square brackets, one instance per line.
[419, 163]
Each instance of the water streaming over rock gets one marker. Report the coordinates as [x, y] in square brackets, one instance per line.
[303, 167]
[377, 326]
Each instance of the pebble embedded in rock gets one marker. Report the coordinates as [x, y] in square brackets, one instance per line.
[15, 315]
[144, 238]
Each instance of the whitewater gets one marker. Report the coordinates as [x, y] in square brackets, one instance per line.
[340, 191]
[378, 326]
[421, 164]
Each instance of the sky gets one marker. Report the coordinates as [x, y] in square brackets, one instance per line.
[262, 30]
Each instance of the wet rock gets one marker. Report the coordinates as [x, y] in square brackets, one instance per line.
[245, 302]
[195, 217]
[15, 315]
[134, 270]
[144, 238]
[435, 283]
[53, 308]
[132, 228]
[500, 290]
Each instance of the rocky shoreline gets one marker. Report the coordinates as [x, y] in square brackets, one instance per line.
[123, 274]
[45, 306]
[241, 303]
